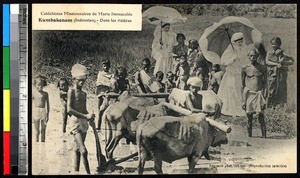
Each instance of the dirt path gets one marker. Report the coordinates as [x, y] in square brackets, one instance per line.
[240, 155]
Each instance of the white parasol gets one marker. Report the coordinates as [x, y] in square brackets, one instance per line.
[217, 37]
[156, 15]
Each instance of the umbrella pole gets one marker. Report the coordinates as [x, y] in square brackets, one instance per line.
[160, 41]
[226, 29]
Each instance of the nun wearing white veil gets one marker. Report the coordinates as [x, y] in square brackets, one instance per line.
[230, 90]
[163, 43]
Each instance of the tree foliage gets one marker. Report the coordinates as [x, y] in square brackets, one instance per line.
[248, 10]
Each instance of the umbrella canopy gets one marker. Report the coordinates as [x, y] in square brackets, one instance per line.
[156, 14]
[217, 37]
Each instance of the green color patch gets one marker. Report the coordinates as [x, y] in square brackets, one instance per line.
[6, 68]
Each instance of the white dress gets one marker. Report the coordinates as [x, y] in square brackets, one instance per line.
[163, 53]
[230, 90]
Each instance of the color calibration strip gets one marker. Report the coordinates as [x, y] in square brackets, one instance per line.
[15, 89]
[6, 89]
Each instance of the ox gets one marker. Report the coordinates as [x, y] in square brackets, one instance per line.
[169, 138]
[118, 118]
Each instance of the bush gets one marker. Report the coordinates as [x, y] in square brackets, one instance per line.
[282, 11]
[278, 120]
[249, 10]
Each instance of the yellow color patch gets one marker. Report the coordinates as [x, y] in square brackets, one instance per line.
[6, 110]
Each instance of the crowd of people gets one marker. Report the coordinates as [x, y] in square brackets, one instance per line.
[247, 81]
[176, 63]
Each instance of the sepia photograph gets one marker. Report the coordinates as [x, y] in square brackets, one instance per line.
[164, 89]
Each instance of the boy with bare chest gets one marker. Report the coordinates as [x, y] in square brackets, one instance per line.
[79, 120]
[254, 80]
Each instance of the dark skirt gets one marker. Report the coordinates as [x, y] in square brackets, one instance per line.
[277, 87]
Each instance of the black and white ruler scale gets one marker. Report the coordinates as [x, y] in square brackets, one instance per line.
[23, 90]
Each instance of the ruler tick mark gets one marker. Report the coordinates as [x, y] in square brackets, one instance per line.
[23, 91]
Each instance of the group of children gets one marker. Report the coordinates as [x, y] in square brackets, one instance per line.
[188, 62]
[191, 71]
[73, 105]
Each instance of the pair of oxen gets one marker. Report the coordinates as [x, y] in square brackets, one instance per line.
[162, 134]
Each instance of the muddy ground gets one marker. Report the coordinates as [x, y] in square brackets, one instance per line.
[276, 154]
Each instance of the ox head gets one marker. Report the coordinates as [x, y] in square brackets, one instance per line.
[219, 138]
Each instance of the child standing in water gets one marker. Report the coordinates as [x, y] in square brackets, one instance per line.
[40, 107]
[76, 107]
[63, 86]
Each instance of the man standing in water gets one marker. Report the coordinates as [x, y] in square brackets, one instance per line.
[254, 81]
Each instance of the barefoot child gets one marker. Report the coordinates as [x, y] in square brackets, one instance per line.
[194, 99]
[63, 86]
[76, 107]
[254, 81]
[40, 107]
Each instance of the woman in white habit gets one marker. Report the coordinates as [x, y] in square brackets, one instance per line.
[230, 90]
[163, 43]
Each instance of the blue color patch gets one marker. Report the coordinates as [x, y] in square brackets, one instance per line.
[6, 24]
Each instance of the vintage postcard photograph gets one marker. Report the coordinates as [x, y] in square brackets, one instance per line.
[130, 89]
